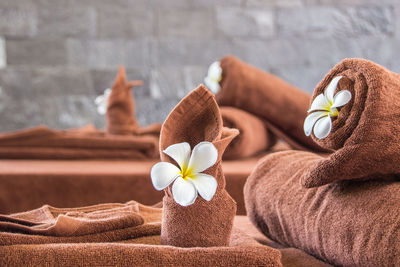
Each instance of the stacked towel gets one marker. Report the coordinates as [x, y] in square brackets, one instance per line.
[351, 216]
[113, 234]
[86, 143]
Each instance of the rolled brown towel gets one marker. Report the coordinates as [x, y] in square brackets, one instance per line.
[364, 133]
[347, 223]
[253, 137]
[283, 106]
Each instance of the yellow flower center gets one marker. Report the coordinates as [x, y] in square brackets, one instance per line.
[186, 172]
[332, 113]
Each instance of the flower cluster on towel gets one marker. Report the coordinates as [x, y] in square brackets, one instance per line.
[324, 108]
[188, 180]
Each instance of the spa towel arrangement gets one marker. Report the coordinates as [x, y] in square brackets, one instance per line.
[342, 208]
[124, 139]
[197, 217]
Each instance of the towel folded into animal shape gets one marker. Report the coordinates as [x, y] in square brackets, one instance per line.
[113, 234]
[121, 117]
[282, 106]
[85, 143]
[351, 216]
[254, 137]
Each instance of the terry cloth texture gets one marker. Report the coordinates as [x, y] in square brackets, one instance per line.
[253, 137]
[85, 143]
[113, 234]
[283, 106]
[347, 223]
[205, 223]
[121, 109]
[365, 133]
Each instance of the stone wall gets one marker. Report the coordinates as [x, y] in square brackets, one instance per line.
[57, 55]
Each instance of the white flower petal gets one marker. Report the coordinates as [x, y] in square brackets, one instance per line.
[107, 92]
[323, 127]
[311, 119]
[204, 155]
[99, 99]
[163, 174]
[330, 89]
[319, 103]
[215, 71]
[341, 98]
[184, 192]
[212, 85]
[180, 153]
[205, 184]
[102, 109]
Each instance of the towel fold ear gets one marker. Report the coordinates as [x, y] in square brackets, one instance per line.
[281, 105]
[205, 223]
[365, 133]
[121, 106]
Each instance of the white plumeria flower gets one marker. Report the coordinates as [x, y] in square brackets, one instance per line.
[189, 181]
[214, 76]
[102, 100]
[323, 108]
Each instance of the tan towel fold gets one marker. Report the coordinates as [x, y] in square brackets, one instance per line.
[119, 243]
[121, 117]
[283, 106]
[348, 223]
[365, 133]
[205, 223]
[87, 143]
[253, 135]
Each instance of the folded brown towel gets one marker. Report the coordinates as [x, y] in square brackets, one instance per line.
[86, 143]
[113, 234]
[205, 223]
[283, 106]
[348, 223]
[99, 223]
[253, 135]
[121, 117]
[364, 134]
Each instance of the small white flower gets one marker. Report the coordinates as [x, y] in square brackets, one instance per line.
[214, 76]
[189, 181]
[323, 108]
[102, 100]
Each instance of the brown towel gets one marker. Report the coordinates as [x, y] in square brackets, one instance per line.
[253, 135]
[205, 223]
[86, 143]
[283, 106]
[121, 108]
[113, 234]
[348, 223]
[365, 133]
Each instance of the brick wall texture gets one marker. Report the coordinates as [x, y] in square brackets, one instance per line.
[57, 55]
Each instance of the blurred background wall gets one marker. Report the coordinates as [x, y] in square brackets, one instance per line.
[56, 56]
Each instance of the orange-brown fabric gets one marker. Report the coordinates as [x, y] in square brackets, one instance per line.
[347, 223]
[205, 223]
[253, 135]
[116, 241]
[291, 257]
[283, 106]
[121, 117]
[27, 184]
[88, 143]
[365, 133]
